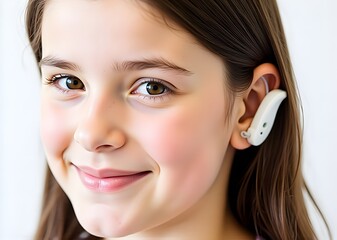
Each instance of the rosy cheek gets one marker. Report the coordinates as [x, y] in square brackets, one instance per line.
[54, 133]
[181, 140]
[186, 153]
[188, 144]
[171, 144]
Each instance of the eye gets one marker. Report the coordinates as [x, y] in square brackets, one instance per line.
[66, 82]
[151, 87]
[69, 82]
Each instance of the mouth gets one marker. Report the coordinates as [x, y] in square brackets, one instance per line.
[108, 180]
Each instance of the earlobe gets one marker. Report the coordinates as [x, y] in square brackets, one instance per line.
[261, 102]
[237, 141]
[241, 124]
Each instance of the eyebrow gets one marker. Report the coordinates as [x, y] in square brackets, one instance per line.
[133, 65]
[59, 63]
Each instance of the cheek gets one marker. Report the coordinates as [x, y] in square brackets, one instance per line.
[55, 134]
[189, 145]
[183, 135]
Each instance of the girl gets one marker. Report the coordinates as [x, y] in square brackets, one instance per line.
[147, 116]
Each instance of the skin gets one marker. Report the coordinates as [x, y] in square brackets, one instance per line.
[184, 136]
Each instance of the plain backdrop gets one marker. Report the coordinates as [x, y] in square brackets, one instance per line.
[312, 37]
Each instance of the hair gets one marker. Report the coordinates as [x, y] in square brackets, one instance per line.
[266, 184]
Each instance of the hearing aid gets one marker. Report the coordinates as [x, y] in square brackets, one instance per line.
[265, 116]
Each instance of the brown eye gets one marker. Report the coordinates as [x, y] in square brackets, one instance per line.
[73, 83]
[154, 88]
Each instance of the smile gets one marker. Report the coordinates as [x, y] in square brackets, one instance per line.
[107, 180]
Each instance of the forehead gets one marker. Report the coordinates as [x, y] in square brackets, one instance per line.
[104, 22]
[90, 18]
[88, 13]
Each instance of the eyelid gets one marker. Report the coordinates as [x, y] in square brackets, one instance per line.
[158, 80]
[57, 77]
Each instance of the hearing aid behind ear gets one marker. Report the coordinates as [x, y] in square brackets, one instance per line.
[264, 117]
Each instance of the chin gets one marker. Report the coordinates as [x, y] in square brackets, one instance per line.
[101, 222]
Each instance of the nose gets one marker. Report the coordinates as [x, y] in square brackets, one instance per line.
[97, 131]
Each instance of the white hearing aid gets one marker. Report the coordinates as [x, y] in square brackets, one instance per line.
[265, 116]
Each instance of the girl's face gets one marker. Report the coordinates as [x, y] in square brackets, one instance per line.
[134, 121]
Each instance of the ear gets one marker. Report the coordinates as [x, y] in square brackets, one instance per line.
[265, 78]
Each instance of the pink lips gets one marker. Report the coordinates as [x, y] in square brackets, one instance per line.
[107, 180]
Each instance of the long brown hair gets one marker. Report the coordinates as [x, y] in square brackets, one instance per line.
[266, 183]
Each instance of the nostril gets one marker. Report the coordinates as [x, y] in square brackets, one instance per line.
[104, 148]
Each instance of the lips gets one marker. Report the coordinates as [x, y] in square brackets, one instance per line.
[108, 180]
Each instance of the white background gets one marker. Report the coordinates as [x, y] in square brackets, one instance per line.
[311, 28]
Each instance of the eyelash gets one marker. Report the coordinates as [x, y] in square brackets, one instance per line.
[53, 80]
